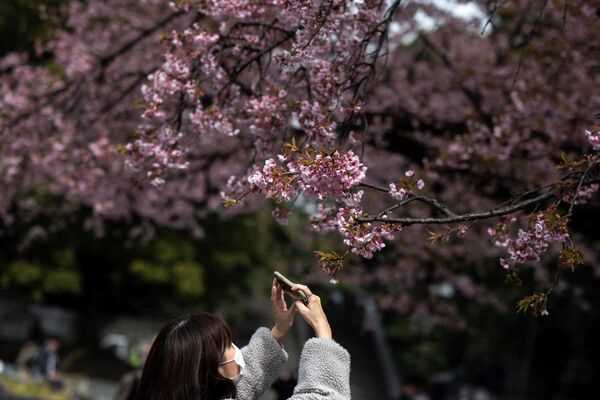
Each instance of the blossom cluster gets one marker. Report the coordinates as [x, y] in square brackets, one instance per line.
[529, 244]
[160, 154]
[324, 219]
[583, 196]
[363, 239]
[593, 136]
[260, 77]
[325, 176]
[314, 173]
[274, 181]
[407, 185]
[328, 175]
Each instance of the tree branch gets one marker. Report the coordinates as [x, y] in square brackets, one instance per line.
[109, 58]
[464, 217]
[473, 216]
[424, 199]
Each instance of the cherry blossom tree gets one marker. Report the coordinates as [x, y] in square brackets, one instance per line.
[476, 131]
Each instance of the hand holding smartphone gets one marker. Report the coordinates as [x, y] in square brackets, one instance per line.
[286, 284]
[312, 313]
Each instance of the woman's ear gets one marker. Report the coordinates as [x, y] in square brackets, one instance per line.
[230, 369]
[221, 371]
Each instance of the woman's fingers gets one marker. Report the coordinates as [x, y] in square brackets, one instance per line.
[277, 297]
[273, 291]
[281, 298]
[302, 288]
[292, 310]
[302, 309]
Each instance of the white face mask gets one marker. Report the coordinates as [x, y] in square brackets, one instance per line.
[238, 358]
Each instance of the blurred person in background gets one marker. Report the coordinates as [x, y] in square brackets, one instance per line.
[46, 363]
[26, 359]
[194, 358]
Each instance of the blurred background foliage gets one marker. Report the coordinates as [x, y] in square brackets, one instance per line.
[172, 271]
[28, 391]
[22, 22]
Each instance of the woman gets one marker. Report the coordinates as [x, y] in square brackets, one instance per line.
[194, 358]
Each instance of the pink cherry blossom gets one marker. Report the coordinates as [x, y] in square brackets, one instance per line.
[529, 244]
[363, 239]
[398, 194]
[594, 138]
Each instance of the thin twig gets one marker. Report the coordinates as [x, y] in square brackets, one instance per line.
[583, 176]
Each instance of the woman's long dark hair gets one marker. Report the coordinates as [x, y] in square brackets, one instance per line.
[184, 360]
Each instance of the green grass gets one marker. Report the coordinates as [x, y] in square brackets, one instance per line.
[41, 391]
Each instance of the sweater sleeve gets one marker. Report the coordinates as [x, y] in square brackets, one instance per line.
[264, 357]
[324, 372]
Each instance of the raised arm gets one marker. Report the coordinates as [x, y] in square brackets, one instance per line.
[264, 357]
[324, 372]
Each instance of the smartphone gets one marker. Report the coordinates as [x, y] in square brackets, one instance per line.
[286, 284]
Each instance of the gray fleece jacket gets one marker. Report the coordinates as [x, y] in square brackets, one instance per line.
[324, 371]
